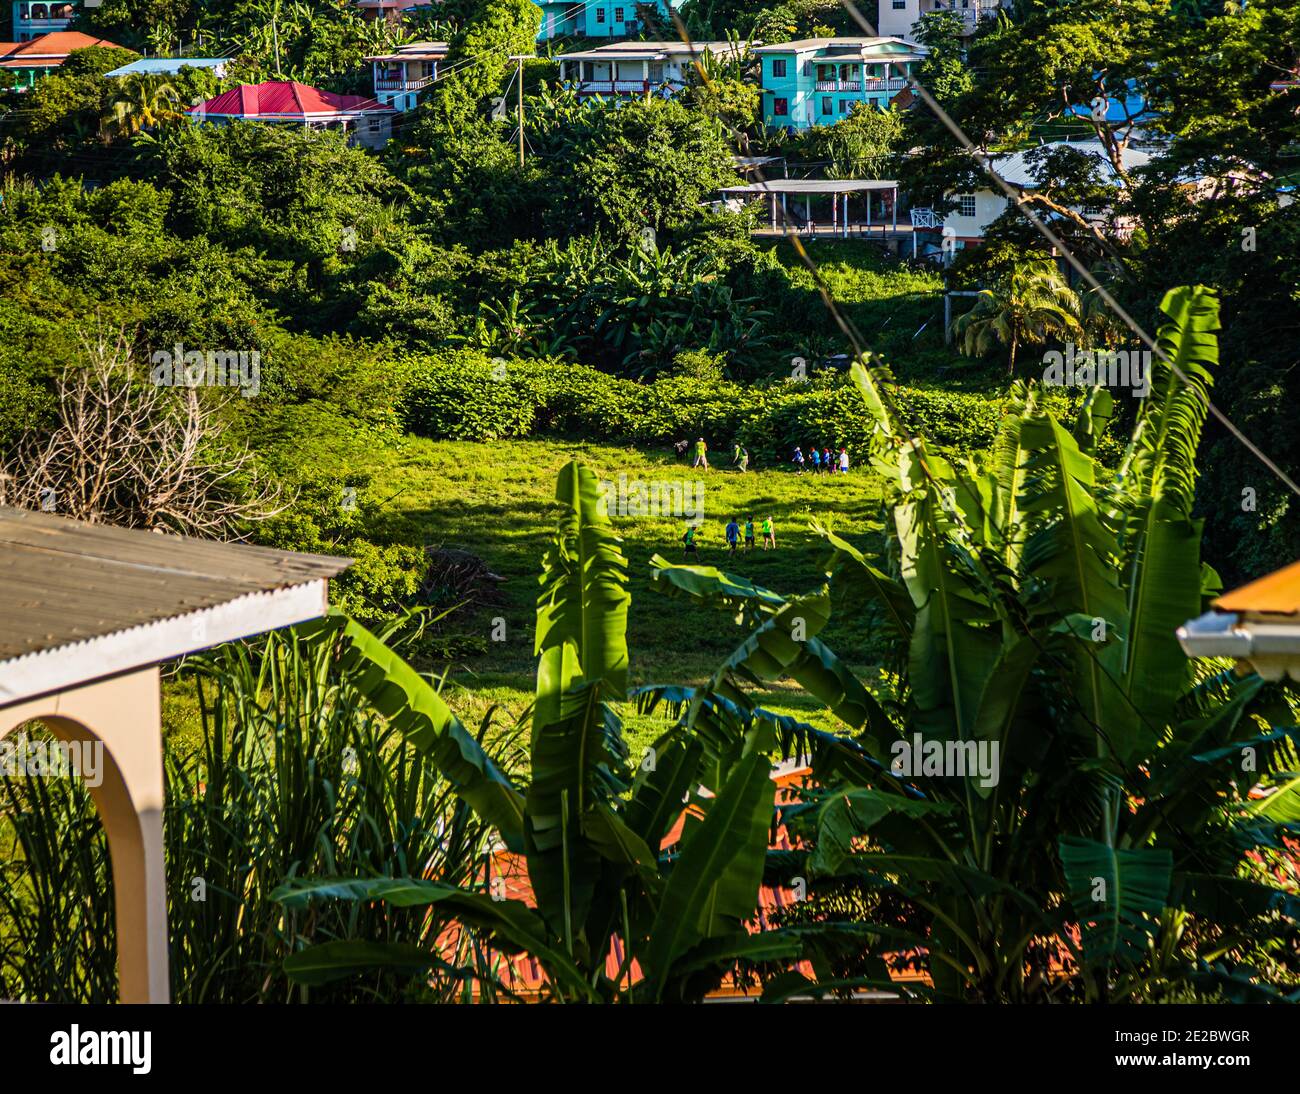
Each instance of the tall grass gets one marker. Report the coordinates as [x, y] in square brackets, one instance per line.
[293, 775]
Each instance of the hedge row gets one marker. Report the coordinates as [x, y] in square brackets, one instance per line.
[465, 396]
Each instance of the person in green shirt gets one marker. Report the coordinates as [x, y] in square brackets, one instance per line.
[689, 548]
[740, 457]
[769, 534]
[749, 533]
[701, 454]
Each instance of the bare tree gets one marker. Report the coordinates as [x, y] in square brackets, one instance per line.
[126, 451]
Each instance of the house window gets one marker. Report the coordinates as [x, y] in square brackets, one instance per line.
[966, 205]
[600, 15]
[900, 5]
[780, 107]
[828, 105]
[807, 68]
[374, 125]
[778, 69]
[618, 15]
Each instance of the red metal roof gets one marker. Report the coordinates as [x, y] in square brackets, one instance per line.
[285, 99]
[49, 50]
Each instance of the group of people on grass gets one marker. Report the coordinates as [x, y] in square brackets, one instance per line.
[690, 540]
[820, 461]
[823, 462]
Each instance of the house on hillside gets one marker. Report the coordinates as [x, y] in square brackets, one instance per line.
[400, 76]
[602, 18]
[635, 68]
[170, 66]
[31, 60]
[898, 17]
[365, 121]
[978, 208]
[818, 81]
[392, 11]
[31, 20]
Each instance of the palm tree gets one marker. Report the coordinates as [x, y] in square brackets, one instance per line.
[142, 104]
[1030, 305]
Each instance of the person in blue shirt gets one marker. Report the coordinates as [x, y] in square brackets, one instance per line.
[798, 459]
[733, 536]
[815, 459]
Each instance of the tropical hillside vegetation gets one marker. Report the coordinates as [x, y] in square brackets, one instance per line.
[458, 351]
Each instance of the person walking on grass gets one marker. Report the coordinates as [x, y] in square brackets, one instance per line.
[733, 536]
[814, 458]
[749, 534]
[701, 454]
[828, 461]
[689, 547]
[769, 534]
[798, 459]
[740, 457]
[844, 461]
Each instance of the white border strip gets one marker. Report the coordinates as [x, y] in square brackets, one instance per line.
[106, 655]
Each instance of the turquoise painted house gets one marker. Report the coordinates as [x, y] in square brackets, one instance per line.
[818, 81]
[598, 18]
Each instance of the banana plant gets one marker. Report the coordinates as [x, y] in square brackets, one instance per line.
[1033, 599]
[590, 832]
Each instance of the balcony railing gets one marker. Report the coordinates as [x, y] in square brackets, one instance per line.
[43, 26]
[387, 83]
[839, 85]
[624, 87]
[893, 83]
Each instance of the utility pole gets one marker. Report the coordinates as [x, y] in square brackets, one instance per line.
[275, 34]
[519, 76]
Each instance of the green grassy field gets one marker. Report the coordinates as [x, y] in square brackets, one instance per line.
[497, 501]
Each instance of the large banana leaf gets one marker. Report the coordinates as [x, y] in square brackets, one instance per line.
[1164, 463]
[514, 927]
[338, 960]
[658, 791]
[582, 610]
[415, 709]
[713, 886]
[847, 815]
[578, 754]
[1118, 896]
[711, 586]
[1070, 557]
[849, 566]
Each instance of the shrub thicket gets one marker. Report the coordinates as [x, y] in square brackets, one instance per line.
[466, 396]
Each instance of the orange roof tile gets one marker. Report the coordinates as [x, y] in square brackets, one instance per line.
[1276, 594]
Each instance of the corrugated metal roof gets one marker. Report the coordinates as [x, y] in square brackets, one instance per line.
[1015, 168]
[63, 581]
[284, 99]
[1275, 594]
[168, 66]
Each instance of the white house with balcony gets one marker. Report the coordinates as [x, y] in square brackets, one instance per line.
[898, 17]
[637, 68]
[400, 76]
[978, 208]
